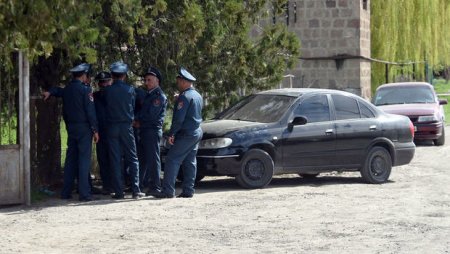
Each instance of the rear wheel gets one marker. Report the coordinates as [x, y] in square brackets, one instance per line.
[377, 166]
[441, 140]
[309, 176]
[256, 169]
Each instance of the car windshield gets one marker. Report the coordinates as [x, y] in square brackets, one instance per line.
[264, 108]
[404, 95]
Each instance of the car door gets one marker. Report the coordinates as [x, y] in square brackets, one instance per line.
[312, 144]
[356, 127]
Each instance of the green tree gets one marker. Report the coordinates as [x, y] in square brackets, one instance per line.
[216, 40]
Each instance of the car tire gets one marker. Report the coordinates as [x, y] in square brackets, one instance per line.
[377, 167]
[441, 140]
[308, 176]
[256, 169]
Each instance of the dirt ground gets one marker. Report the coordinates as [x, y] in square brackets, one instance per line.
[336, 213]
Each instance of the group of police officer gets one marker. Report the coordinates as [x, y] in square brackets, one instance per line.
[119, 117]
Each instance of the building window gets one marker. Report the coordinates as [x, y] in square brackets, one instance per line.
[364, 4]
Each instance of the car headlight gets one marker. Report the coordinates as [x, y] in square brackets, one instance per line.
[424, 119]
[215, 143]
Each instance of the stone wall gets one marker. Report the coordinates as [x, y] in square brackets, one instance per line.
[331, 29]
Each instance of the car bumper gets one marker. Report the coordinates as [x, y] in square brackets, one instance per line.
[215, 162]
[428, 131]
[404, 153]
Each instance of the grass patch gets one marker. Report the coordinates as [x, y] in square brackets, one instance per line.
[441, 86]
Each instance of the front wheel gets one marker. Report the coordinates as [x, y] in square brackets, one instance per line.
[441, 140]
[377, 166]
[256, 169]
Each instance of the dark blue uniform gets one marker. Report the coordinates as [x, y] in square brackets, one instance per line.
[151, 117]
[187, 116]
[81, 122]
[102, 145]
[120, 102]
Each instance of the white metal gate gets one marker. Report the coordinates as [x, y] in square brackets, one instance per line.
[15, 158]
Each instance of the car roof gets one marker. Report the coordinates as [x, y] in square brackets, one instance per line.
[296, 92]
[402, 84]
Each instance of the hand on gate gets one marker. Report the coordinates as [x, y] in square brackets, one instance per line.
[96, 137]
[46, 95]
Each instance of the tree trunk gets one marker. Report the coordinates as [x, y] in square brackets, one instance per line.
[45, 122]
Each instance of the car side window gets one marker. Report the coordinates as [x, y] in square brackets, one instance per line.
[346, 107]
[365, 111]
[315, 109]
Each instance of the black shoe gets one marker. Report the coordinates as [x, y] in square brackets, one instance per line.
[162, 195]
[138, 195]
[106, 192]
[66, 197]
[115, 196]
[152, 192]
[185, 195]
[96, 191]
[88, 199]
[129, 189]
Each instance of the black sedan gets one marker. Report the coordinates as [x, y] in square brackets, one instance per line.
[304, 131]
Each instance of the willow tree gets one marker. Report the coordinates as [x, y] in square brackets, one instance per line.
[409, 31]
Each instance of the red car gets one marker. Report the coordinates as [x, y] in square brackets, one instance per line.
[418, 101]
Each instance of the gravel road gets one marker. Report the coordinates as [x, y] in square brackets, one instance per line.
[335, 213]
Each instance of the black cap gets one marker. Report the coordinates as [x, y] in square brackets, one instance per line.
[103, 76]
[155, 72]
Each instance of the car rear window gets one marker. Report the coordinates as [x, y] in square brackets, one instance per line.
[404, 95]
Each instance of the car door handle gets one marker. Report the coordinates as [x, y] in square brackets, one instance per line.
[372, 127]
[329, 131]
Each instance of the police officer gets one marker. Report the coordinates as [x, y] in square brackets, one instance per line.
[150, 119]
[104, 79]
[81, 123]
[120, 102]
[184, 136]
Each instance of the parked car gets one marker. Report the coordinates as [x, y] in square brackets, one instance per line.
[418, 101]
[304, 131]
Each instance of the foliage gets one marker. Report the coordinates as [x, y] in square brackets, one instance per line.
[443, 87]
[409, 30]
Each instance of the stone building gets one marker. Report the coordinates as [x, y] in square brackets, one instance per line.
[335, 50]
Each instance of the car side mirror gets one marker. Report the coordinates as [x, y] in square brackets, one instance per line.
[298, 120]
[443, 102]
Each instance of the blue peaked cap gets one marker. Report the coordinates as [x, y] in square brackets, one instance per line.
[119, 67]
[184, 74]
[84, 67]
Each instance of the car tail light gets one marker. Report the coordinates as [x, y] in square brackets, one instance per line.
[411, 128]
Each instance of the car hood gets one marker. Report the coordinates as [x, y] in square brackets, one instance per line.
[217, 128]
[410, 109]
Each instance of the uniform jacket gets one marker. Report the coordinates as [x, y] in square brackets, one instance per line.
[187, 113]
[120, 101]
[152, 106]
[78, 103]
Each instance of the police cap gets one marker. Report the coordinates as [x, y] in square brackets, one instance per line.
[184, 74]
[103, 76]
[155, 72]
[84, 67]
[119, 67]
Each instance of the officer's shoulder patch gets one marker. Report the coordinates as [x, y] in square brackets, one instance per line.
[180, 105]
[156, 102]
